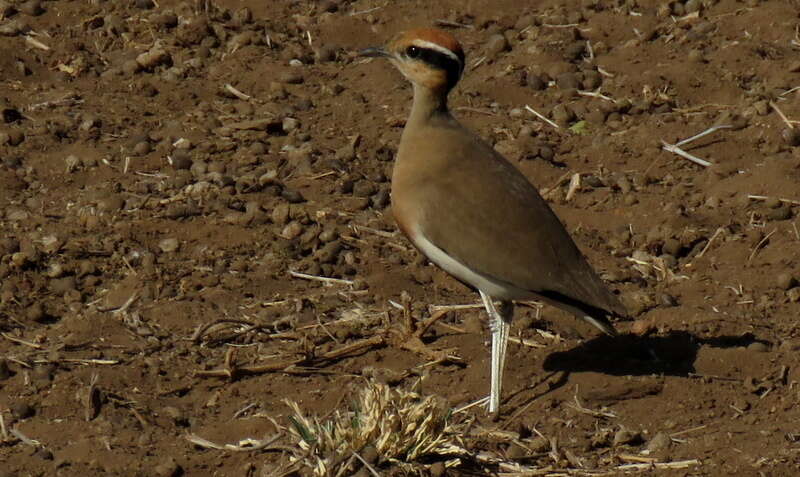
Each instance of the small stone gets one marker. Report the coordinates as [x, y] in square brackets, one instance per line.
[32, 8]
[539, 444]
[791, 137]
[671, 247]
[757, 347]
[13, 27]
[168, 468]
[626, 437]
[438, 469]
[781, 213]
[73, 163]
[131, 67]
[574, 50]
[292, 230]
[21, 410]
[5, 371]
[289, 124]
[43, 454]
[181, 160]
[363, 188]
[496, 44]
[785, 281]
[568, 81]
[292, 196]
[15, 137]
[692, 6]
[659, 444]
[696, 56]
[325, 53]
[793, 294]
[562, 115]
[110, 204]
[329, 252]
[145, 4]
[43, 373]
[290, 77]
[642, 327]
[35, 312]
[536, 83]
[142, 148]
[591, 80]
[169, 245]
[156, 56]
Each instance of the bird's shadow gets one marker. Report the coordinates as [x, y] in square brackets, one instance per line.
[673, 354]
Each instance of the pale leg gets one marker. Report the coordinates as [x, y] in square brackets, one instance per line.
[500, 324]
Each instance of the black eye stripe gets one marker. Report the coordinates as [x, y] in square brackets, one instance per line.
[438, 60]
[433, 58]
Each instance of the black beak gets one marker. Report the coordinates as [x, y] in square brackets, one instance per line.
[374, 52]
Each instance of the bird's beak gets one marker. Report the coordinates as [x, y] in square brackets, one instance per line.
[374, 52]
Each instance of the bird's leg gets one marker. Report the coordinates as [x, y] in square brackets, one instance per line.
[500, 324]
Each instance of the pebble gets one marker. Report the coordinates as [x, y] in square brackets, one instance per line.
[496, 44]
[438, 469]
[13, 27]
[142, 148]
[168, 468]
[5, 370]
[43, 373]
[156, 56]
[793, 294]
[289, 124]
[35, 312]
[642, 327]
[43, 454]
[169, 245]
[568, 80]
[757, 347]
[781, 213]
[536, 83]
[591, 80]
[292, 230]
[21, 410]
[659, 444]
[672, 247]
[785, 281]
[791, 137]
[291, 77]
[329, 252]
[72, 162]
[292, 196]
[15, 137]
[363, 188]
[32, 8]
[181, 160]
[562, 114]
[626, 437]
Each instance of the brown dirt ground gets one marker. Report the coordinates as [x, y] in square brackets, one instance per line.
[140, 200]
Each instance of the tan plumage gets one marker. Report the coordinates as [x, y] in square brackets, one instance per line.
[472, 212]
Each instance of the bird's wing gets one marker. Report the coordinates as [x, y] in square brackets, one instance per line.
[484, 213]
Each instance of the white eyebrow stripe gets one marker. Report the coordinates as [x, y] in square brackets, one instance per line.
[435, 47]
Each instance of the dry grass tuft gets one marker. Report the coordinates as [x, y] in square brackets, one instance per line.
[402, 426]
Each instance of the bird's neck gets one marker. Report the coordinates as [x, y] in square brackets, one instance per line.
[428, 104]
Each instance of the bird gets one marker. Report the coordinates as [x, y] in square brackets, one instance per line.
[474, 214]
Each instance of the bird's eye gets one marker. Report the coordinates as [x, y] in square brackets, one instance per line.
[413, 52]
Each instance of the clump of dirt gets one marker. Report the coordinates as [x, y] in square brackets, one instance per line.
[195, 226]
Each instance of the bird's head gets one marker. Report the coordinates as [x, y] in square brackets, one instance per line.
[428, 57]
